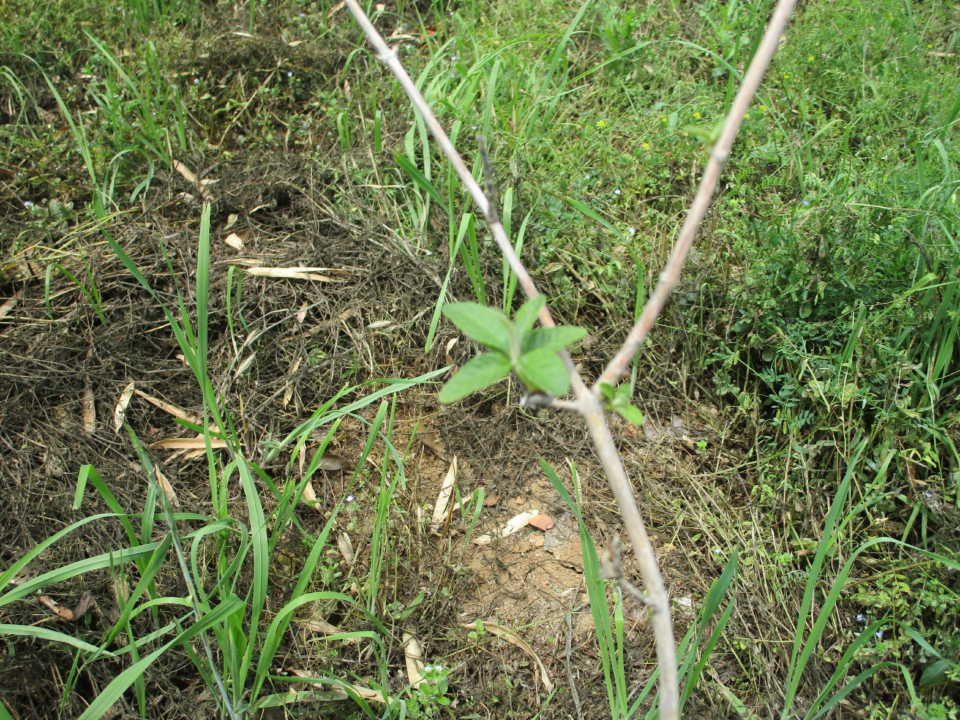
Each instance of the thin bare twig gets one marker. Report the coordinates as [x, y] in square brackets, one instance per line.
[701, 201]
[587, 399]
[616, 562]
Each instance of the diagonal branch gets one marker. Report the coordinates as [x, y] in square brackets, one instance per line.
[701, 201]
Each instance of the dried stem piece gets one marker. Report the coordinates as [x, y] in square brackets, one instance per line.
[588, 400]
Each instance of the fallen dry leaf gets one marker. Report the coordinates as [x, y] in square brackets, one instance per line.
[288, 389]
[414, 657]
[167, 488]
[346, 548]
[58, 609]
[331, 462]
[168, 407]
[196, 443]
[10, 304]
[89, 409]
[234, 241]
[513, 524]
[309, 496]
[432, 440]
[120, 411]
[184, 171]
[447, 355]
[491, 500]
[514, 639]
[542, 522]
[86, 602]
[297, 273]
[446, 490]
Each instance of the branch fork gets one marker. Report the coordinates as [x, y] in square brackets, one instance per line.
[587, 400]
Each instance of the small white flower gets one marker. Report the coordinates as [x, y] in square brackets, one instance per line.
[289, 73]
[196, 81]
[349, 497]
[27, 204]
[632, 231]
[616, 192]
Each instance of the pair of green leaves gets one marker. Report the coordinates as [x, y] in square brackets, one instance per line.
[517, 345]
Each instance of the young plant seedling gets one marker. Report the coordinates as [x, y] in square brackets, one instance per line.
[518, 346]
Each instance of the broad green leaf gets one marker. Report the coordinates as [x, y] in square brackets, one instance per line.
[607, 391]
[527, 315]
[487, 326]
[543, 369]
[935, 673]
[630, 413]
[483, 370]
[554, 339]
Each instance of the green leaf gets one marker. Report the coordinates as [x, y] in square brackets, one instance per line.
[935, 673]
[630, 413]
[554, 339]
[527, 315]
[707, 135]
[542, 369]
[607, 391]
[487, 326]
[483, 370]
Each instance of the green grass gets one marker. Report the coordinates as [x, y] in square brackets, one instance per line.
[819, 312]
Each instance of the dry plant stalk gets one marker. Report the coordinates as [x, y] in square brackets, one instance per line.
[588, 402]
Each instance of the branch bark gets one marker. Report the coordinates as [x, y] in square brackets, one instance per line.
[588, 402]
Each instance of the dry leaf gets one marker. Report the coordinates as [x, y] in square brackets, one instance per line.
[89, 410]
[185, 171]
[302, 315]
[292, 273]
[513, 524]
[309, 496]
[120, 411]
[57, 608]
[234, 241]
[231, 221]
[491, 500]
[321, 626]
[346, 548]
[514, 639]
[168, 407]
[288, 389]
[10, 304]
[247, 362]
[86, 602]
[450, 344]
[196, 443]
[166, 487]
[432, 440]
[331, 462]
[414, 657]
[542, 522]
[446, 491]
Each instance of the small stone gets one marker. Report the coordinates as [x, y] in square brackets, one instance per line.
[518, 501]
[542, 522]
